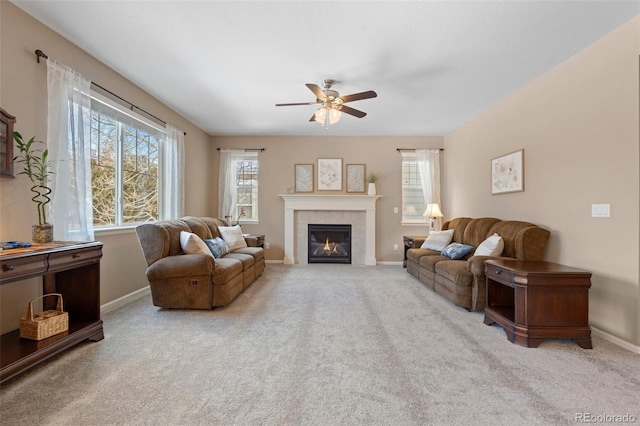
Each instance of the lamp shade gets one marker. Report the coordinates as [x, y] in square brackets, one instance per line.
[433, 210]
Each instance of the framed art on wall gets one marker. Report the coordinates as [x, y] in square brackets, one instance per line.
[304, 177]
[507, 173]
[355, 177]
[329, 174]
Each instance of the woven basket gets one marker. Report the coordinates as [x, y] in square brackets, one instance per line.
[45, 324]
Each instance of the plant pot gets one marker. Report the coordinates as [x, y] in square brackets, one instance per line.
[42, 234]
[372, 189]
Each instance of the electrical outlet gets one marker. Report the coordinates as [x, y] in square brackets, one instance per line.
[395, 210]
[600, 210]
[395, 247]
[193, 282]
[267, 245]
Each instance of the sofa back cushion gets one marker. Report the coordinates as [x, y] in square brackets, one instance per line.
[477, 230]
[458, 225]
[213, 224]
[522, 240]
[198, 227]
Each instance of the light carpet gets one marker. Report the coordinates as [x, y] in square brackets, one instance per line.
[321, 345]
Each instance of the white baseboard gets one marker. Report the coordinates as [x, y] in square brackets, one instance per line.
[389, 262]
[274, 261]
[121, 301]
[615, 340]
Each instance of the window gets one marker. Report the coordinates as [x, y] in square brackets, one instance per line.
[247, 187]
[420, 183]
[125, 165]
[413, 203]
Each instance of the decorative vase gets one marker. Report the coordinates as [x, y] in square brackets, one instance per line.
[372, 189]
[42, 234]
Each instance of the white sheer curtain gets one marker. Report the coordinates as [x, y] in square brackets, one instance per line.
[227, 190]
[173, 174]
[429, 165]
[69, 144]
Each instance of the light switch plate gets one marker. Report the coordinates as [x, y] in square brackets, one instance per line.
[600, 210]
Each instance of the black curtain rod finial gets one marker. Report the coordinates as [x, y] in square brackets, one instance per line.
[41, 54]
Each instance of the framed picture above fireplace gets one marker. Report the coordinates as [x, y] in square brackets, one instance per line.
[329, 174]
[304, 178]
[355, 177]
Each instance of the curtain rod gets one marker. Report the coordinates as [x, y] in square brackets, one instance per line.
[40, 54]
[413, 149]
[246, 149]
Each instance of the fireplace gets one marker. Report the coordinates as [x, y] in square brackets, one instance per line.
[329, 243]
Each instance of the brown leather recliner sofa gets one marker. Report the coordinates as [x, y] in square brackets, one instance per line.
[463, 281]
[195, 281]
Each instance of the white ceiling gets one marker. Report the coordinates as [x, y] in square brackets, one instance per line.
[225, 64]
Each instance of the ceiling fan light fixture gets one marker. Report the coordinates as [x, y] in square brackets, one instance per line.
[327, 115]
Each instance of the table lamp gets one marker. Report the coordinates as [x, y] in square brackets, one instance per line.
[432, 212]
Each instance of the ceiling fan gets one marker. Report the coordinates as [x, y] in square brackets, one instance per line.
[332, 104]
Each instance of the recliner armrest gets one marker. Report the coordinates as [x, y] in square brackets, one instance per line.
[475, 264]
[184, 265]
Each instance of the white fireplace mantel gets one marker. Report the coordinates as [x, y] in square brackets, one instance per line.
[366, 203]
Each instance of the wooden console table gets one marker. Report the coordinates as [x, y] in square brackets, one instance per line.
[69, 268]
[535, 300]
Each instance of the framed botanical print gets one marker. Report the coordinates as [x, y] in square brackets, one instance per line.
[330, 174]
[355, 177]
[507, 173]
[304, 177]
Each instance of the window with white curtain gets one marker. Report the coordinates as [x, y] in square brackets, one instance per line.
[413, 203]
[126, 165]
[420, 183]
[247, 187]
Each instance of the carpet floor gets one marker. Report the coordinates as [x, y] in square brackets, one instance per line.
[321, 345]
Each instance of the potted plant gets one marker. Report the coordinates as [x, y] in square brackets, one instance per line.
[35, 165]
[372, 177]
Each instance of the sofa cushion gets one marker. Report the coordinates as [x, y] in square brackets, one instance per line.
[192, 244]
[429, 262]
[217, 246]
[437, 240]
[492, 246]
[457, 250]
[232, 235]
[455, 271]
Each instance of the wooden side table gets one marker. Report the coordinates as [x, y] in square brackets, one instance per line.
[535, 300]
[409, 241]
[259, 238]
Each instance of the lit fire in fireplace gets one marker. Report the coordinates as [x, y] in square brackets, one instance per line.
[330, 248]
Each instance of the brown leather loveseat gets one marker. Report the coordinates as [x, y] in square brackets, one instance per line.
[195, 281]
[463, 281]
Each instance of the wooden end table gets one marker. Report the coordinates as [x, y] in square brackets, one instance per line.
[409, 241]
[536, 300]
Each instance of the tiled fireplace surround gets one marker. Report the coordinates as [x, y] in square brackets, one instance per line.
[357, 210]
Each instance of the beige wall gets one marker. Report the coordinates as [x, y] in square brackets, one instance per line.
[23, 94]
[379, 154]
[578, 125]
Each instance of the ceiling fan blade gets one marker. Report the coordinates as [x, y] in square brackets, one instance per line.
[299, 103]
[313, 118]
[316, 90]
[351, 111]
[359, 96]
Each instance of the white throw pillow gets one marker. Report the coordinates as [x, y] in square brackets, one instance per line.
[192, 244]
[232, 235]
[492, 246]
[438, 240]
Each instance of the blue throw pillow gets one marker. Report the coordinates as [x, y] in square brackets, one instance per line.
[217, 246]
[456, 250]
